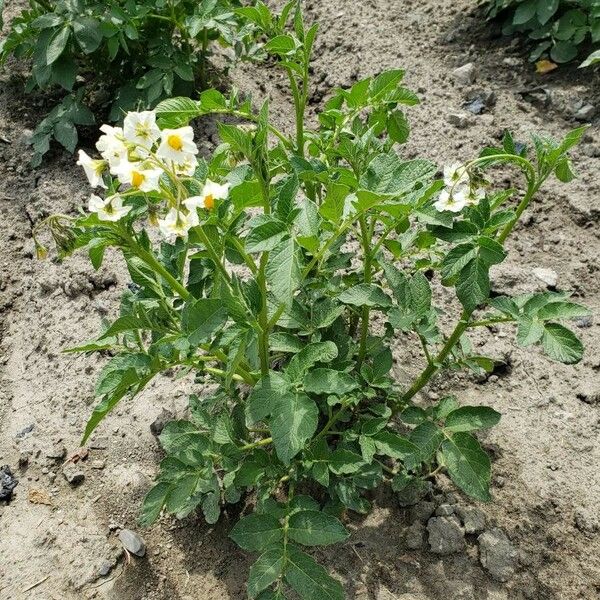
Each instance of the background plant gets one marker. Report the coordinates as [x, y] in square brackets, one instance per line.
[116, 55]
[267, 286]
[562, 29]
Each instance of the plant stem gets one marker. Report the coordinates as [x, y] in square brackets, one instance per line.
[366, 311]
[433, 366]
[487, 322]
[156, 266]
[203, 59]
[263, 442]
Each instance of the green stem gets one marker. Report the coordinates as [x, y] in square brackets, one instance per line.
[366, 311]
[263, 442]
[493, 321]
[433, 366]
[157, 267]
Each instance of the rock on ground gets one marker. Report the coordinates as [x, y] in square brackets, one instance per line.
[446, 536]
[497, 554]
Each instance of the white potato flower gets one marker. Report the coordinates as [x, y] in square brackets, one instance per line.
[451, 200]
[210, 192]
[186, 168]
[455, 174]
[139, 175]
[109, 209]
[112, 147]
[140, 128]
[93, 169]
[177, 224]
[177, 145]
[475, 196]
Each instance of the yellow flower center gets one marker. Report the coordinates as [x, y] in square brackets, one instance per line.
[137, 179]
[209, 201]
[175, 142]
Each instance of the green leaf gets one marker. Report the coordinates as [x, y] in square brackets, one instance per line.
[177, 112]
[308, 579]
[525, 12]
[345, 462]
[592, 59]
[283, 271]
[315, 528]
[563, 52]
[201, 318]
[398, 127]
[57, 44]
[87, 33]
[264, 395]
[281, 45]
[312, 354]
[388, 174]
[546, 9]
[471, 418]
[365, 294]
[266, 234]
[561, 344]
[394, 446]
[153, 503]
[473, 285]
[420, 294]
[529, 331]
[266, 570]
[562, 310]
[183, 439]
[256, 532]
[329, 381]
[66, 134]
[294, 422]
[468, 465]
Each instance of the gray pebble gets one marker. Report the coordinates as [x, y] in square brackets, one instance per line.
[132, 542]
[473, 519]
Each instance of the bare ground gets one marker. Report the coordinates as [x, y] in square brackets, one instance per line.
[546, 449]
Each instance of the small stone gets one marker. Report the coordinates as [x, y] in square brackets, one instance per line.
[547, 276]
[132, 542]
[98, 464]
[583, 322]
[421, 511]
[446, 536]
[8, 482]
[585, 113]
[497, 554]
[21, 434]
[465, 75]
[105, 568]
[444, 510]
[159, 423]
[415, 536]
[512, 61]
[56, 452]
[72, 473]
[473, 519]
[460, 120]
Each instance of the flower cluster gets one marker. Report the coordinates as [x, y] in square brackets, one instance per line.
[460, 190]
[145, 159]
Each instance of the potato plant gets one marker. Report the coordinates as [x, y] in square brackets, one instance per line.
[260, 270]
[117, 55]
[560, 28]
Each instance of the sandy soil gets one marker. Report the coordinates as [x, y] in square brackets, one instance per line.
[546, 449]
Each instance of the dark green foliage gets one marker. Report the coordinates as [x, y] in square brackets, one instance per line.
[117, 55]
[561, 29]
